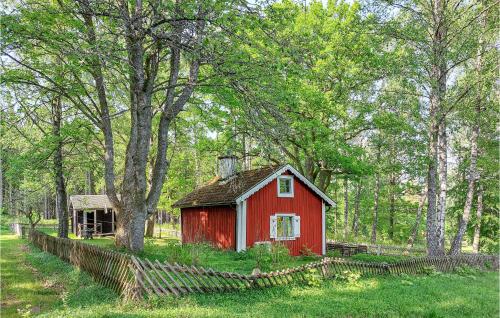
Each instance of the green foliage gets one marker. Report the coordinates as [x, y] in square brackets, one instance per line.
[467, 271]
[280, 254]
[339, 89]
[307, 254]
[348, 276]
[313, 278]
[335, 253]
[269, 256]
[429, 270]
[440, 296]
[378, 258]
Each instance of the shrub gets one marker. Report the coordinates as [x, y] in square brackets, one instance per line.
[348, 276]
[488, 265]
[334, 253]
[428, 270]
[466, 270]
[279, 253]
[378, 258]
[177, 253]
[266, 255]
[262, 256]
[307, 253]
[313, 277]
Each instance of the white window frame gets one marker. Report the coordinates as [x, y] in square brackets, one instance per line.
[291, 238]
[289, 194]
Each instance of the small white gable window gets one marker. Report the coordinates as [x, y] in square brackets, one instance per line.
[285, 186]
[284, 227]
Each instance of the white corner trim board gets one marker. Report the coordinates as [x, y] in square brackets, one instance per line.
[279, 172]
[241, 226]
[323, 228]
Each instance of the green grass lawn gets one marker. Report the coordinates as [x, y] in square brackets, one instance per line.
[19, 284]
[31, 277]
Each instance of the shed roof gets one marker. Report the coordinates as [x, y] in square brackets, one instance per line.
[240, 187]
[218, 192]
[90, 201]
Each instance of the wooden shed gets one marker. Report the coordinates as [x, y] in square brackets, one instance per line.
[93, 212]
[272, 204]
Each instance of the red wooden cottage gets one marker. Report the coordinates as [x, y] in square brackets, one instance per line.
[239, 209]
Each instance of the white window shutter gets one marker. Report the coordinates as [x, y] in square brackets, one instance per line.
[296, 226]
[273, 227]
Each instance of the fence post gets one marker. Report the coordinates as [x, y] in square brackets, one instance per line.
[137, 291]
[387, 268]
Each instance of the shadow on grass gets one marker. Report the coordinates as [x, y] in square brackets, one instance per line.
[444, 295]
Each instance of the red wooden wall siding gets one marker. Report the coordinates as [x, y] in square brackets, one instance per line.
[216, 225]
[305, 203]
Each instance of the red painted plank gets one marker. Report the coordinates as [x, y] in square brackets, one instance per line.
[305, 203]
[215, 225]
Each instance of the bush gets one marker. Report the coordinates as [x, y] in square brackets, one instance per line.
[280, 254]
[348, 276]
[189, 254]
[466, 271]
[308, 254]
[267, 255]
[378, 258]
[313, 277]
[335, 253]
[490, 246]
[262, 256]
[428, 270]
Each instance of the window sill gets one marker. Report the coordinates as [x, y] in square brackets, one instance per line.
[285, 239]
[285, 195]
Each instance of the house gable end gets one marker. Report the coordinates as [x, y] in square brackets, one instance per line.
[278, 173]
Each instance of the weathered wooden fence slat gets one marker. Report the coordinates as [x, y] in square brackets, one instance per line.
[135, 277]
[109, 268]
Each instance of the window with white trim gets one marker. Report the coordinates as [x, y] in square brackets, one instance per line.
[285, 186]
[285, 227]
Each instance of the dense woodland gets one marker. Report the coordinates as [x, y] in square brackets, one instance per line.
[390, 107]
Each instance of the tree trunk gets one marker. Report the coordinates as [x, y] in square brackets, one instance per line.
[90, 183]
[12, 201]
[375, 209]
[443, 176]
[150, 226]
[473, 173]
[355, 221]
[61, 197]
[335, 210]
[479, 214]
[144, 54]
[437, 96]
[1, 168]
[456, 245]
[418, 220]
[130, 226]
[392, 206]
[1, 172]
[346, 208]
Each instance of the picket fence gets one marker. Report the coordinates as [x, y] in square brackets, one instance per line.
[134, 277]
[349, 249]
[156, 278]
[107, 267]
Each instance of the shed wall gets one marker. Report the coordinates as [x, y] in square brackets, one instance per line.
[216, 225]
[305, 203]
